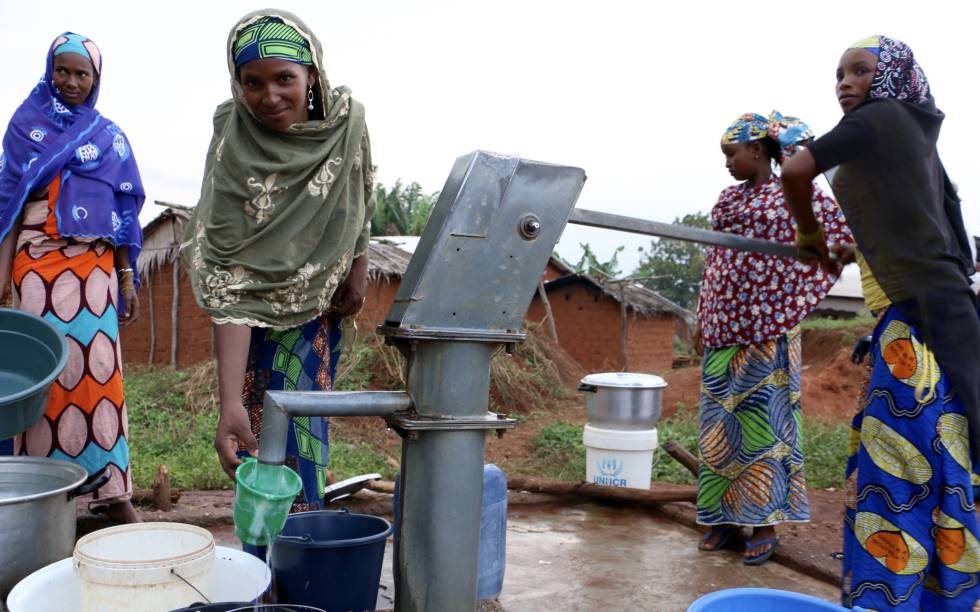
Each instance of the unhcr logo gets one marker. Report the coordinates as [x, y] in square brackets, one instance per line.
[608, 473]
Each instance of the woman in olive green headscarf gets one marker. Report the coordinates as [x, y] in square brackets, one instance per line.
[276, 249]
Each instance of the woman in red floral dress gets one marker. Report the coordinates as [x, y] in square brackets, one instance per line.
[749, 312]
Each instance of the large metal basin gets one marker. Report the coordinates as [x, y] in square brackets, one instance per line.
[623, 400]
[32, 354]
[37, 513]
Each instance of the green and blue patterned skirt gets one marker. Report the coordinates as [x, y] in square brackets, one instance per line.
[299, 359]
[750, 438]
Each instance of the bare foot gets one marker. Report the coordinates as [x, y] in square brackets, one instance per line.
[123, 512]
[759, 534]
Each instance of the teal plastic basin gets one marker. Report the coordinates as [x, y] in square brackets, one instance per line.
[32, 354]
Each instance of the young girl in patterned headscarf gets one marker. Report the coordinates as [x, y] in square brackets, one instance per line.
[911, 533]
[750, 309]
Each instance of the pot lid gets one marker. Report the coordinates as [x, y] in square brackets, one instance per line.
[631, 380]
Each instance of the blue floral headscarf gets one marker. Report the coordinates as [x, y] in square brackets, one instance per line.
[101, 191]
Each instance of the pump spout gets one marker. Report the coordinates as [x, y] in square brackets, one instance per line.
[280, 406]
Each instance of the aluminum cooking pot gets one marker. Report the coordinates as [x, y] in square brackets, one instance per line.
[623, 400]
[37, 513]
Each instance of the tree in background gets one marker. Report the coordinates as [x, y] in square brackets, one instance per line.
[678, 264]
[590, 264]
[401, 210]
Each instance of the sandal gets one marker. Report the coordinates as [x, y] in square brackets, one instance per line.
[763, 557]
[724, 538]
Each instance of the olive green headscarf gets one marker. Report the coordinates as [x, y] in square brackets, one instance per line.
[281, 215]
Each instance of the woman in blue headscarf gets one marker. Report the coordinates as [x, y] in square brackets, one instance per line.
[70, 196]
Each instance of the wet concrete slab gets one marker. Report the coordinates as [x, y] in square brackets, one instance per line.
[596, 557]
[592, 557]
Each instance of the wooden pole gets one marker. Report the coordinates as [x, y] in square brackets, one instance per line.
[161, 489]
[173, 313]
[683, 457]
[549, 316]
[676, 493]
[153, 323]
[623, 324]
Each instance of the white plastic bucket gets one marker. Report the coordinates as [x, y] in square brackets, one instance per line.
[235, 576]
[619, 457]
[149, 567]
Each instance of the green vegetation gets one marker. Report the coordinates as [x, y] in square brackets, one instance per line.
[825, 454]
[559, 452]
[172, 420]
[348, 459]
[850, 329]
[401, 211]
[589, 263]
[862, 320]
[164, 427]
[678, 265]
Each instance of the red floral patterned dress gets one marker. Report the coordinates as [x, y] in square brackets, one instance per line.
[747, 298]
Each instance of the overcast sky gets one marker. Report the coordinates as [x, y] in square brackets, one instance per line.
[637, 94]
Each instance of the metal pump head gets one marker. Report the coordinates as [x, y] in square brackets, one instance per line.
[479, 259]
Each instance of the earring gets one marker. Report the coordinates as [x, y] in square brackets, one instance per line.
[756, 156]
[309, 97]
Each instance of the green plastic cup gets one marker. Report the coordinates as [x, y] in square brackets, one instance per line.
[263, 496]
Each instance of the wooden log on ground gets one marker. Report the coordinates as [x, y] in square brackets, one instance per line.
[381, 486]
[145, 497]
[682, 455]
[161, 489]
[586, 489]
[676, 493]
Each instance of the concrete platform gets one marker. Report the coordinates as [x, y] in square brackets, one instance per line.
[596, 557]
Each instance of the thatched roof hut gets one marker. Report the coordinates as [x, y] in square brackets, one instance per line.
[162, 237]
[638, 299]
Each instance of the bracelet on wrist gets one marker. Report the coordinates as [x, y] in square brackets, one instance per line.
[810, 239]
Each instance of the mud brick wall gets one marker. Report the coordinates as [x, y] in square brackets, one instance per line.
[588, 326]
[193, 326]
[194, 343]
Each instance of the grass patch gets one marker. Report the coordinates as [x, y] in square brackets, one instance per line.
[165, 427]
[863, 319]
[172, 420]
[559, 451]
[825, 454]
[348, 459]
[850, 329]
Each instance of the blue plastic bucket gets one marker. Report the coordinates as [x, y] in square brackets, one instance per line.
[761, 600]
[330, 560]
